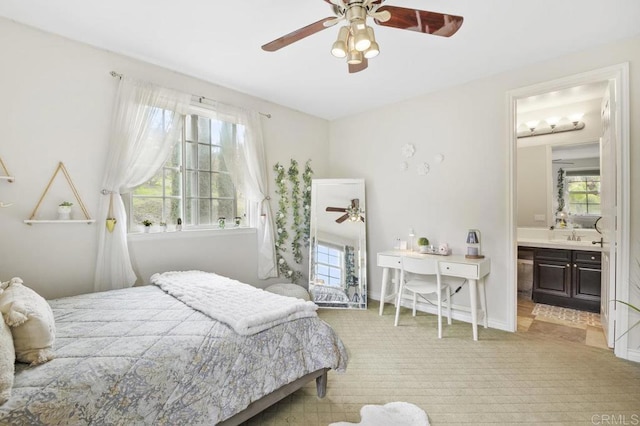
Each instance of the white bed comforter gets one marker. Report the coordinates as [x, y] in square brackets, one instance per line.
[246, 309]
[139, 356]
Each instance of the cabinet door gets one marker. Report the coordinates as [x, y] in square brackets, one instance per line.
[587, 275]
[552, 278]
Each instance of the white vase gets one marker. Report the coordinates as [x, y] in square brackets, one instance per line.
[64, 212]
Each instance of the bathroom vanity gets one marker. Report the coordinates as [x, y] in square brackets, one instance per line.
[566, 272]
[568, 278]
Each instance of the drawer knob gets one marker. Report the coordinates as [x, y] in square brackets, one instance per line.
[593, 258]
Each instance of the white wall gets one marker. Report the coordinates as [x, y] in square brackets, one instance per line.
[533, 172]
[469, 125]
[55, 105]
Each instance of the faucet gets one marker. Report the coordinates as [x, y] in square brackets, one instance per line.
[574, 237]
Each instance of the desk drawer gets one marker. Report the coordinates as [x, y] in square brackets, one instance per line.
[389, 261]
[461, 270]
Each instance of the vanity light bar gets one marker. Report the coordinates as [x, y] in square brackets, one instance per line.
[549, 128]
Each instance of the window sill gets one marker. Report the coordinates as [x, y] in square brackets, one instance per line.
[191, 233]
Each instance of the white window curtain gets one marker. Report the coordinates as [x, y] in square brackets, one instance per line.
[144, 128]
[247, 163]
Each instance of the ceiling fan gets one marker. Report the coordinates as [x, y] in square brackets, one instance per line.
[353, 212]
[356, 40]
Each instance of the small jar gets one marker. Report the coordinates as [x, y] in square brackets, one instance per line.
[237, 220]
[221, 222]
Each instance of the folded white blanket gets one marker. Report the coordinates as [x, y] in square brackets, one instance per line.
[246, 309]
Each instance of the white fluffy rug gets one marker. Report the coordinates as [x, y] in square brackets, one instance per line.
[393, 413]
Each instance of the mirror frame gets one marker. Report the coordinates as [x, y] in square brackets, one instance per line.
[338, 193]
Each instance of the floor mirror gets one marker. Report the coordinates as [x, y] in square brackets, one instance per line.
[338, 244]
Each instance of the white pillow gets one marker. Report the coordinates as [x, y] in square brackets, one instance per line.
[31, 321]
[7, 360]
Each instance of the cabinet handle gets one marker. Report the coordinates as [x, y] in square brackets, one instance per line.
[568, 265]
[593, 258]
[575, 266]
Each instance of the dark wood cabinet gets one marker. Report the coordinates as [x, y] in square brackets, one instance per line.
[568, 278]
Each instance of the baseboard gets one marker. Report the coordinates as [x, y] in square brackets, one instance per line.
[633, 355]
[458, 313]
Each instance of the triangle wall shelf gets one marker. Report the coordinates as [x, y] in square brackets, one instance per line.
[3, 169]
[87, 219]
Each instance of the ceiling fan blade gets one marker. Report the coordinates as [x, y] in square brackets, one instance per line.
[336, 209]
[341, 3]
[296, 35]
[421, 21]
[354, 68]
[338, 3]
[342, 218]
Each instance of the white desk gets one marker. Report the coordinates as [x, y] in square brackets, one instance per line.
[474, 270]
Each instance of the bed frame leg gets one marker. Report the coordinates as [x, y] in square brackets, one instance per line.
[321, 384]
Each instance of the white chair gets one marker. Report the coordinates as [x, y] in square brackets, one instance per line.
[424, 281]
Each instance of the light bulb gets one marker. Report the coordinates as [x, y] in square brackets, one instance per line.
[372, 51]
[339, 48]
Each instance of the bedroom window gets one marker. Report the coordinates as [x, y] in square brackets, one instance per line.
[329, 264]
[583, 188]
[196, 182]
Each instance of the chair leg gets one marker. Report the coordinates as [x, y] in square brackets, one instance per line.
[398, 305]
[449, 305]
[415, 300]
[439, 315]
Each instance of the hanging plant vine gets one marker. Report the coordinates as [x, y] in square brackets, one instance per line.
[292, 196]
[295, 211]
[560, 191]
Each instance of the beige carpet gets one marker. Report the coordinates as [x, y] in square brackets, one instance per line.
[504, 378]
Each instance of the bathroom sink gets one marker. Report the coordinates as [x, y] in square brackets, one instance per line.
[559, 244]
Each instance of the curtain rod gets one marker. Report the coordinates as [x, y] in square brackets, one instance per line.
[200, 97]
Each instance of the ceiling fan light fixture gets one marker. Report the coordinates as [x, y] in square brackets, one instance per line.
[354, 57]
[339, 48]
[374, 48]
[360, 36]
[372, 51]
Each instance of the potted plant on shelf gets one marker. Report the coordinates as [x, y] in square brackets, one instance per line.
[423, 244]
[147, 225]
[64, 210]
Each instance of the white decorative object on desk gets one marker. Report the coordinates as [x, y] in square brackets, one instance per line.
[443, 249]
[473, 245]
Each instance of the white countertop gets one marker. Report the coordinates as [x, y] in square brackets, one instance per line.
[558, 238]
[559, 244]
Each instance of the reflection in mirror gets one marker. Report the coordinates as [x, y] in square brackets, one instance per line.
[577, 167]
[337, 250]
[538, 189]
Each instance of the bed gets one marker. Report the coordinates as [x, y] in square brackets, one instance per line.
[144, 356]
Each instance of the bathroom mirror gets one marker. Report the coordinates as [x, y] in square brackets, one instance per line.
[337, 249]
[538, 168]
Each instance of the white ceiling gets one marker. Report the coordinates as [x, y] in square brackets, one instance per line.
[220, 42]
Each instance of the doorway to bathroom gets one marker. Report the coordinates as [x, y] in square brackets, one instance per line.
[555, 127]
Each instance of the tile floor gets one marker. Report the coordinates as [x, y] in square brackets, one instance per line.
[574, 326]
